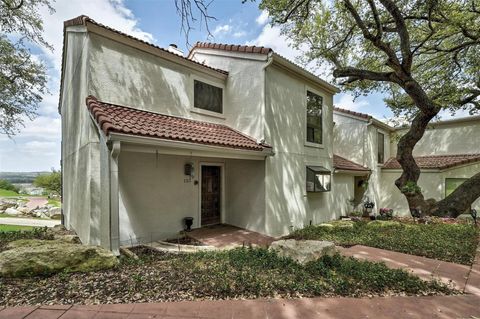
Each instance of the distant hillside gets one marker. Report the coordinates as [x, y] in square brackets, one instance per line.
[20, 177]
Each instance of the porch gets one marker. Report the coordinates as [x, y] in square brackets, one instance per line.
[224, 236]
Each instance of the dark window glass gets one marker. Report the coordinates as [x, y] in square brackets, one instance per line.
[380, 147]
[314, 118]
[207, 97]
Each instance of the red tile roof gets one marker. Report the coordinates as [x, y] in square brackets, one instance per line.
[436, 161]
[126, 120]
[357, 114]
[231, 47]
[347, 165]
[83, 19]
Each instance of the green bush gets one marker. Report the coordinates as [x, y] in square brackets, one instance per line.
[449, 242]
[52, 182]
[4, 184]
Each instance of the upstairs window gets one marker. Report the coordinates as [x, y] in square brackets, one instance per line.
[380, 148]
[314, 118]
[207, 97]
[318, 179]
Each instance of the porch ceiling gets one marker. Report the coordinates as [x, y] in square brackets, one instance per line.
[113, 118]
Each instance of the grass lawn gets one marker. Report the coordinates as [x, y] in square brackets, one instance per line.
[235, 274]
[54, 202]
[450, 242]
[7, 193]
[12, 228]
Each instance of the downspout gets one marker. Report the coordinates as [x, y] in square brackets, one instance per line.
[114, 199]
[264, 69]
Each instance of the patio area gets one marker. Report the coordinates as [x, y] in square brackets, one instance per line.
[226, 236]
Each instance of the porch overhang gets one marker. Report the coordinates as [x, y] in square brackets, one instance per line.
[144, 144]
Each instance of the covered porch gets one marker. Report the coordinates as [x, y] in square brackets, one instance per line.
[163, 169]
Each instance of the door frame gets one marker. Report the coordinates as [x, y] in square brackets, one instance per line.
[222, 190]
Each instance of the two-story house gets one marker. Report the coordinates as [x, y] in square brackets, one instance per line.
[228, 134]
[447, 155]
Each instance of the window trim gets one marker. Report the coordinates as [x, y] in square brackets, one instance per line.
[324, 106]
[321, 171]
[378, 150]
[201, 111]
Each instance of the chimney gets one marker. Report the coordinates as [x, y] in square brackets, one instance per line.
[174, 49]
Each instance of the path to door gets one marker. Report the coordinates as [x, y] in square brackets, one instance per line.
[465, 306]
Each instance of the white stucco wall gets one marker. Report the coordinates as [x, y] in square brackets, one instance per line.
[155, 195]
[288, 205]
[432, 183]
[80, 144]
[440, 139]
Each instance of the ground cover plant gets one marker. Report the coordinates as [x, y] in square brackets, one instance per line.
[239, 273]
[14, 228]
[453, 242]
[10, 233]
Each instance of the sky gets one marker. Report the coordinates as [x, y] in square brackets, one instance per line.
[37, 146]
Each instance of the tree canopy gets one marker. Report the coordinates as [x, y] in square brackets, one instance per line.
[23, 78]
[51, 182]
[423, 54]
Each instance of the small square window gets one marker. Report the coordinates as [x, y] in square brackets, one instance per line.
[319, 179]
[207, 97]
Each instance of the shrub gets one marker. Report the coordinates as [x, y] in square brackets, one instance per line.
[4, 184]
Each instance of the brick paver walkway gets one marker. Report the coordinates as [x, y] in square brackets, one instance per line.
[465, 306]
[461, 306]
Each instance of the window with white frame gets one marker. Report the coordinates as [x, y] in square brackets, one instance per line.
[207, 97]
[314, 118]
[319, 179]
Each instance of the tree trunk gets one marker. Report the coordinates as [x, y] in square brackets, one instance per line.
[460, 200]
[407, 182]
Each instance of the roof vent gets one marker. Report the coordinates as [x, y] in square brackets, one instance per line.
[174, 49]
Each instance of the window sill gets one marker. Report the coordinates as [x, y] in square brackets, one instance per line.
[207, 113]
[314, 145]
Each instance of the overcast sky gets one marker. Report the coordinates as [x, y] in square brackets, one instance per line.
[37, 147]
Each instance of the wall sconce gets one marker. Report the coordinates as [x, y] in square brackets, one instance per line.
[189, 170]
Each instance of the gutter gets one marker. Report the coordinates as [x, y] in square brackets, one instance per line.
[143, 140]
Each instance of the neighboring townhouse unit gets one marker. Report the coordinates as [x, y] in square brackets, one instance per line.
[447, 155]
[228, 134]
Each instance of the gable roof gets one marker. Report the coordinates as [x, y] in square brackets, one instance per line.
[344, 164]
[436, 161]
[112, 118]
[269, 52]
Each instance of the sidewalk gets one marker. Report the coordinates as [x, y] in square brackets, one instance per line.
[464, 306]
[29, 222]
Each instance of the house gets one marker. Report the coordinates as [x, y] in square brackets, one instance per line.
[447, 155]
[227, 134]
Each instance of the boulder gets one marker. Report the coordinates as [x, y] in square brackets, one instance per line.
[384, 223]
[23, 209]
[31, 257]
[303, 251]
[12, 211]
[55, 212]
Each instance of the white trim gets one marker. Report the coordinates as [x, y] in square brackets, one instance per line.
[191, 148]
[222, 190]
[207, 113]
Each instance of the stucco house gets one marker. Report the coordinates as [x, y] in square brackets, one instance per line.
[226, 134]
[447, 155]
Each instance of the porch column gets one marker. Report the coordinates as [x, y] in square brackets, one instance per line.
[114, 199]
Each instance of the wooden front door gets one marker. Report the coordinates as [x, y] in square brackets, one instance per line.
[211, 195]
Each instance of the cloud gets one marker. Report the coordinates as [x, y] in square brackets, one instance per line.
[239, 34]
[222, 29]
[262, 18]
[273, 38]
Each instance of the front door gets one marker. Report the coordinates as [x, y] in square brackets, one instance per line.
[211, 195]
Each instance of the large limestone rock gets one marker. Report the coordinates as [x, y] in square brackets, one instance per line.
[303, 251]
[30, 257]
[12, 211]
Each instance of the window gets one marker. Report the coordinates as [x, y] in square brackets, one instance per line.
[380, 148]
[207, 97]
[451, 184]
[318, 179]
[314, 118]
